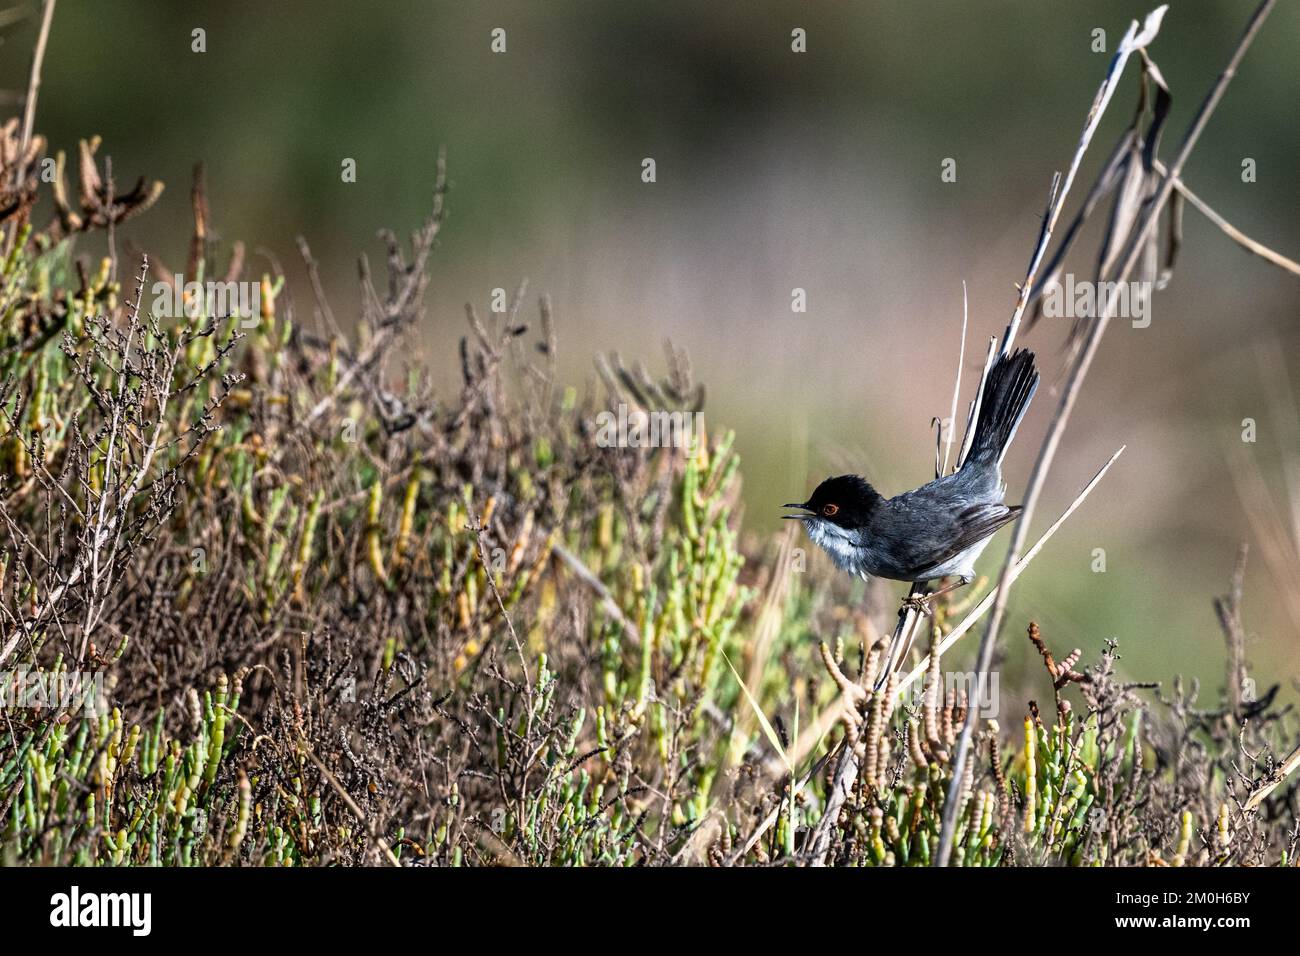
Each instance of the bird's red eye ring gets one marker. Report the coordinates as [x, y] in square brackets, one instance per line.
[830, 510]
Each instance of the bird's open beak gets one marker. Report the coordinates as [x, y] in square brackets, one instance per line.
[796, 504]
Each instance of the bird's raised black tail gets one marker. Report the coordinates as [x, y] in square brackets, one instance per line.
[1007, 392]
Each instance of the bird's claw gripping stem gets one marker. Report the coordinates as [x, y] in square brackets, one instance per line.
[920, 603]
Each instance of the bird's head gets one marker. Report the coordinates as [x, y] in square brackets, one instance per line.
[846, 502]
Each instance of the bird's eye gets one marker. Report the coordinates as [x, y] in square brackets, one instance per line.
[830, 510]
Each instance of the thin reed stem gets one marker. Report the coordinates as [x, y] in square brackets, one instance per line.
[1150, 216]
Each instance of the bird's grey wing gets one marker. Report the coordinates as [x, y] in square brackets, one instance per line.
[966, 528]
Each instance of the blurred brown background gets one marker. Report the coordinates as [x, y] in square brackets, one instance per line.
[775, 171]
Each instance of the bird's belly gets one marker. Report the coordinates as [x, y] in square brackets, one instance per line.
[961, 565]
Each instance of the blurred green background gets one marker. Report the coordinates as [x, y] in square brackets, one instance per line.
[775, 170]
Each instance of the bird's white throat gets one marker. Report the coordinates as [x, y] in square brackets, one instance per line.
[836, 542]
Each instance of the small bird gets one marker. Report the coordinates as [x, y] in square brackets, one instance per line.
[939, 529]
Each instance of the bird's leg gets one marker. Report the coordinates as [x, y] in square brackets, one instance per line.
[959, 583]
[965, 604]
[921, 602]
